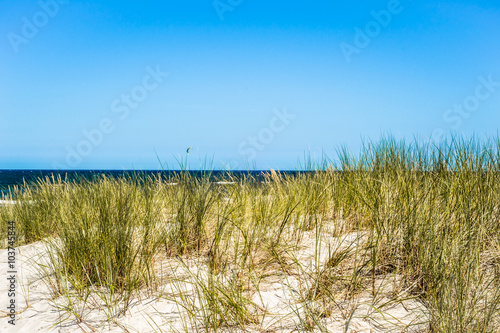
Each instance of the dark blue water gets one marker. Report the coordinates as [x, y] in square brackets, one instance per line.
[10, 178]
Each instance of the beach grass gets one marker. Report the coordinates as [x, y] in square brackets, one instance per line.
[420, 217]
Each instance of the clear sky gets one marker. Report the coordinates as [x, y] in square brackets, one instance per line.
[119, 84]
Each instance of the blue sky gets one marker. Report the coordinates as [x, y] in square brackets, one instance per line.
[119, 84]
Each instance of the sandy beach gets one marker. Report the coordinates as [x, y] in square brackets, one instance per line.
[278, 297]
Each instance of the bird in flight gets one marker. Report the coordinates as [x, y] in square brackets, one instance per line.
[187, 151]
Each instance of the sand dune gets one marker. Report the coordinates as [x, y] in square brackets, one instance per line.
[279, 298]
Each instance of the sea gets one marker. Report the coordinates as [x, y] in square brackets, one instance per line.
[11, 178]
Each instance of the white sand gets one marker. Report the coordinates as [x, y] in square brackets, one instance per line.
[38, 312]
